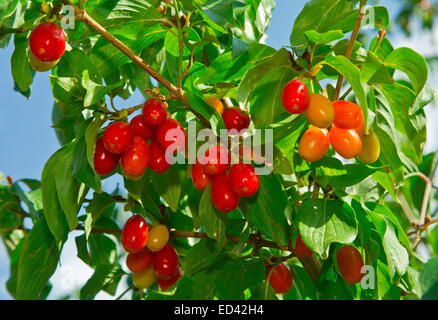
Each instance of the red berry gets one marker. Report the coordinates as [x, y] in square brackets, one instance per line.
[136, 159]
[47, 42]
[104, 162]
[296, 97]
[154, 112]
[140, 128]
[244, 180]
[222, 197]
[166, 284]
[135, 234]
[216, 160]
[139, 261]
[118, 137]
[234, 118]
[350, 264]
[301, 250]
[281, 278]
[200, 179]
[166, 263]
[171, 133]
[347, 115]
[157, 162]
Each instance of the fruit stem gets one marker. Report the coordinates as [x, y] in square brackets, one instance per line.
[351, 43]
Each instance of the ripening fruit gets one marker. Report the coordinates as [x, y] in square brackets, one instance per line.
[166, 263]
[139, 261]
[301, 250]
[140, 128]
[200, 179]
[158, 237]
[154, 112]
[216, 160]
[361, 130]
[222, 197]
[280, 278]
[47, 42]
[104, 162]
[235, 118]
[243, 180]
[167, 284]
[118, 137]
[346, 142]
[39, 65]
[171, 133]
[157, 161]
[350, 264]
[370, 148]
[320, 112]
[135, 234]
[295, 97]
[347, 115]
[145, 279]
[135, 160]
[314, 144]
[215, 103]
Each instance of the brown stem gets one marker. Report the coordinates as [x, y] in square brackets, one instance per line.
[423, 227]
[176, 92]
[351, 43]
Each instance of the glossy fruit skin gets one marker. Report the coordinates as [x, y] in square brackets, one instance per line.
[166, 263]
[370, 148]
[200, 179]
[222, 196]
[216, 160]
[145, 279]
[140, 261]
[243, 180]
[361, 130]
[301, 250]
[47, 42]
[135, 160]
[346, 142]
[347, 115]
[158, 238]
[280, 278]
[320, 112]
[164, 285]
[118, 137]
[215, 103]
[176, 135]
[104, 162]
[140, 128]
[135, 234]
[314, 144]
[39, 65]
[350, 264]
[295, 97]
[157, 161]
[154, 112]
[235, 118]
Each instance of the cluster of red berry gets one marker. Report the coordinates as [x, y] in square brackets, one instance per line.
[126, 143]
[150, 257]
[347, 132]
[47, 45]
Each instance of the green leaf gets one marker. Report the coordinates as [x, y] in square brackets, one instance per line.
[96, 208]
[411, 63]
[429, 279]
[91, 136]
[213, 220]
[168, 186]
[20, 68]
[323, 222]
[95, 91]
[105, 277]
[38, 261]
[201, 256]
[323, 38]
[82, 170]
[267, 210]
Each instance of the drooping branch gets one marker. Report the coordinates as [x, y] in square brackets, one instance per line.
[351, 43]
[176, 92]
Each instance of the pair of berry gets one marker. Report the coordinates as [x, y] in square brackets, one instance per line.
[234, 117]
[127, 142]
[227, 184]
[151, 258]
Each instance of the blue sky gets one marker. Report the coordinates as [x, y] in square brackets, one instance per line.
[27, 141]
